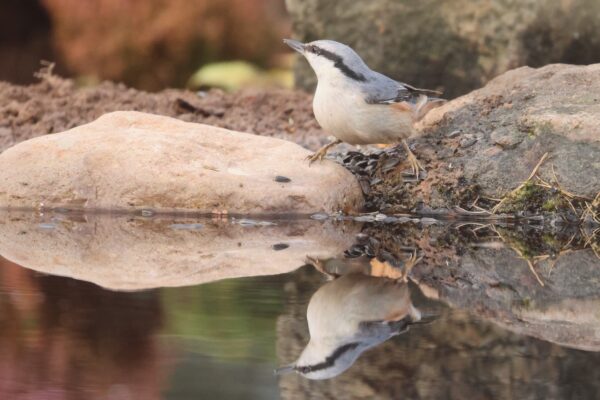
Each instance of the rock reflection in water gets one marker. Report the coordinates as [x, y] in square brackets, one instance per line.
[351, 314]
[521, 283]
[132, 253]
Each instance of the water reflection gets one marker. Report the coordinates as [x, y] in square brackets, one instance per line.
[125, 252]
[62, 339]
[349, 315]
[498, 332]
[67, 339]
[458, 356]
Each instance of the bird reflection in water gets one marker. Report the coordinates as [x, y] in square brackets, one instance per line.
[366, 302]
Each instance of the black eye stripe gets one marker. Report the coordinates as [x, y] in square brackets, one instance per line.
[329, 361]
[338, 62]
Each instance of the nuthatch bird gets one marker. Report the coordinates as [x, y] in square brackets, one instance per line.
[349, 315]
[358, 105]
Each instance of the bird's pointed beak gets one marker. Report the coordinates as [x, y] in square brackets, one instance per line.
[294, 44]
[287, 369]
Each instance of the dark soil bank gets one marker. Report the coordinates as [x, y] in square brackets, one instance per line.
[55, 105]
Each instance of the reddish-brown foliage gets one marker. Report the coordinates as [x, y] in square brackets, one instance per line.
[151, 44]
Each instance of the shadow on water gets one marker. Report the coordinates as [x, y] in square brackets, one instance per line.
[126, 307]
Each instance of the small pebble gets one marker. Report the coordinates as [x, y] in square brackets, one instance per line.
[390, 164]
[251, 222]
[280, 246]
[47, 226]
[467, 141]
[506, 139]
[147, 213]
[319, 216]
[380, 217]
[190, 227]
[282, 179]
[365, 218]
[364, 186]
[454, 134]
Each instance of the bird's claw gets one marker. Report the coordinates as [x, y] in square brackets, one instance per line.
[319, 155]
[415, 165]
[322, 152]
[413, 260]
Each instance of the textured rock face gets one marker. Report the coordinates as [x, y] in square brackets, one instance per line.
[518, 117]
[454, 45]
[130, 160]
[125, 253]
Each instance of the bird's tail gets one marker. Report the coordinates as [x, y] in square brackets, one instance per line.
[425, 104]
[422, 91]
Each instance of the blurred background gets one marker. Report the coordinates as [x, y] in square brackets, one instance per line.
[146, 44]
[453, 45]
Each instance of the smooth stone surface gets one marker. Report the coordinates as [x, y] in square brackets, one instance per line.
[518, 117]
[125, 253]
[132, 160]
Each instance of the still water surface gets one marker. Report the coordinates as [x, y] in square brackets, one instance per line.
[220, 332]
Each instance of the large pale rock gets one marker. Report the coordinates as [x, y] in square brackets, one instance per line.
[455, 45]
[131, 160]
[501, 131]
[125, 253]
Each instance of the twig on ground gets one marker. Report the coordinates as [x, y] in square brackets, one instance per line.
[520, 254]
[525, 182]
[592, 210]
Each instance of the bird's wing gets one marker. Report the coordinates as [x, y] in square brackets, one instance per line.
[390, 328]
[399, 93]
[383, 329]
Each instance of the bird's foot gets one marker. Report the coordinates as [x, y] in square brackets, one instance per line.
[415, 165]
[410, 263]
[319, 265]
[322, 152]
[318, 156]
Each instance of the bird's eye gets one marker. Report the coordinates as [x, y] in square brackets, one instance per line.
[316, 50]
